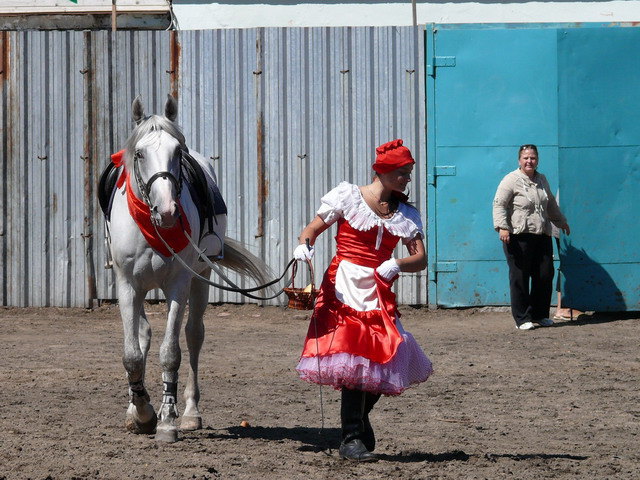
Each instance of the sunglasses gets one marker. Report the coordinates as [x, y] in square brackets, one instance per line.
[528, 147]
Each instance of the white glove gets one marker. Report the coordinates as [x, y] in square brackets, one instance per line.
[303, 253]
[388, 269]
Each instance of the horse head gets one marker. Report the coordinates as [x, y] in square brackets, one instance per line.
[153, 155]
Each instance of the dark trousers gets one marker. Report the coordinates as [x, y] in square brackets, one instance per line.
[530, 260]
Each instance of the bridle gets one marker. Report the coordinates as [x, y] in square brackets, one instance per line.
[145, 187]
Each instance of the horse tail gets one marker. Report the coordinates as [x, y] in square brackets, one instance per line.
[242, 261]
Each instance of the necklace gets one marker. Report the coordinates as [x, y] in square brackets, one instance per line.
[377, 206]
[380, 213]
[372, 195]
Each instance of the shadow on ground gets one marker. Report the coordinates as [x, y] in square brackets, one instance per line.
[313, 439]
[598, 318]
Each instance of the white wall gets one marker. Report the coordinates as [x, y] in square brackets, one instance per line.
[282, 13]
[21, 7]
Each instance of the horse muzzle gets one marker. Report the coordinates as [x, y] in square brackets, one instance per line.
[165, 217]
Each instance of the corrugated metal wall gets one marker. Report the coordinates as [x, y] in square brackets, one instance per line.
[284, 114]
[42, 170]
[124, 65]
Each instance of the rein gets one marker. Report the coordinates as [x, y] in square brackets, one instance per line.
[145, 189]
[233, 288]
[247, 292]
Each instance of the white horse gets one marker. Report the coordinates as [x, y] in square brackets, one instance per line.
[153, 164]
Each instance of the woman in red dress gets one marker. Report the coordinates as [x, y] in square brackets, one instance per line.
[355, 340]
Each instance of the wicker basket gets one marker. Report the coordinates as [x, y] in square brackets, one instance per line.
[298, 298]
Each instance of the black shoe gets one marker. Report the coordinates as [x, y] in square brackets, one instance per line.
[356, 451]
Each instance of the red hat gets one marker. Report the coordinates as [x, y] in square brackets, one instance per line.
[392, 155]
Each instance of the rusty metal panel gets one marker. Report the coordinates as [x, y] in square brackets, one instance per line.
[284, 115]
[124, 65]
[219, 114]
[6, 39]
[43, 190]
[66, 105]
[305, 108]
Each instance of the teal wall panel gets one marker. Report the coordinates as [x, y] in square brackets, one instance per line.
[589, 285]
[501, 92]
[463, 201]
[599, 105]
[468, 286]
[598, 83]
[600, 197]
[502, 87]
[573, 91]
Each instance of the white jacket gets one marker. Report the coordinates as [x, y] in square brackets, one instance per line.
[524, 205]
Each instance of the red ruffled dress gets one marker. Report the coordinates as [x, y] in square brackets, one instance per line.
[355, 338]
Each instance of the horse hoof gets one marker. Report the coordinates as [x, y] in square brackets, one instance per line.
[138, 428]
[167, 435]
[191, 423]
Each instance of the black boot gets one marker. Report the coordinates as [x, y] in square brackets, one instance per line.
[352, 414]
[368, 437]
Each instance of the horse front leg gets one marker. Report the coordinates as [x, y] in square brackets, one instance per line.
[170, 356]
[194, 333]
[141, 417]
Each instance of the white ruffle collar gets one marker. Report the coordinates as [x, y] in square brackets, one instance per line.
[405, 222]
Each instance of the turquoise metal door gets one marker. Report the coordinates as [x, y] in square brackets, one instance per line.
[489, 90]
[492, 88]
[599, 167]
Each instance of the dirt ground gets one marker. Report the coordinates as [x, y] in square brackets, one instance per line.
[560, 402]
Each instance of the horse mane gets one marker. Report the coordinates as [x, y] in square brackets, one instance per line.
[153, 123]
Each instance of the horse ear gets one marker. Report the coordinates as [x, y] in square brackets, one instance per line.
[137, 109]
[171, 108]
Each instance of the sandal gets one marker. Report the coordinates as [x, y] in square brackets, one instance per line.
[572, 316]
